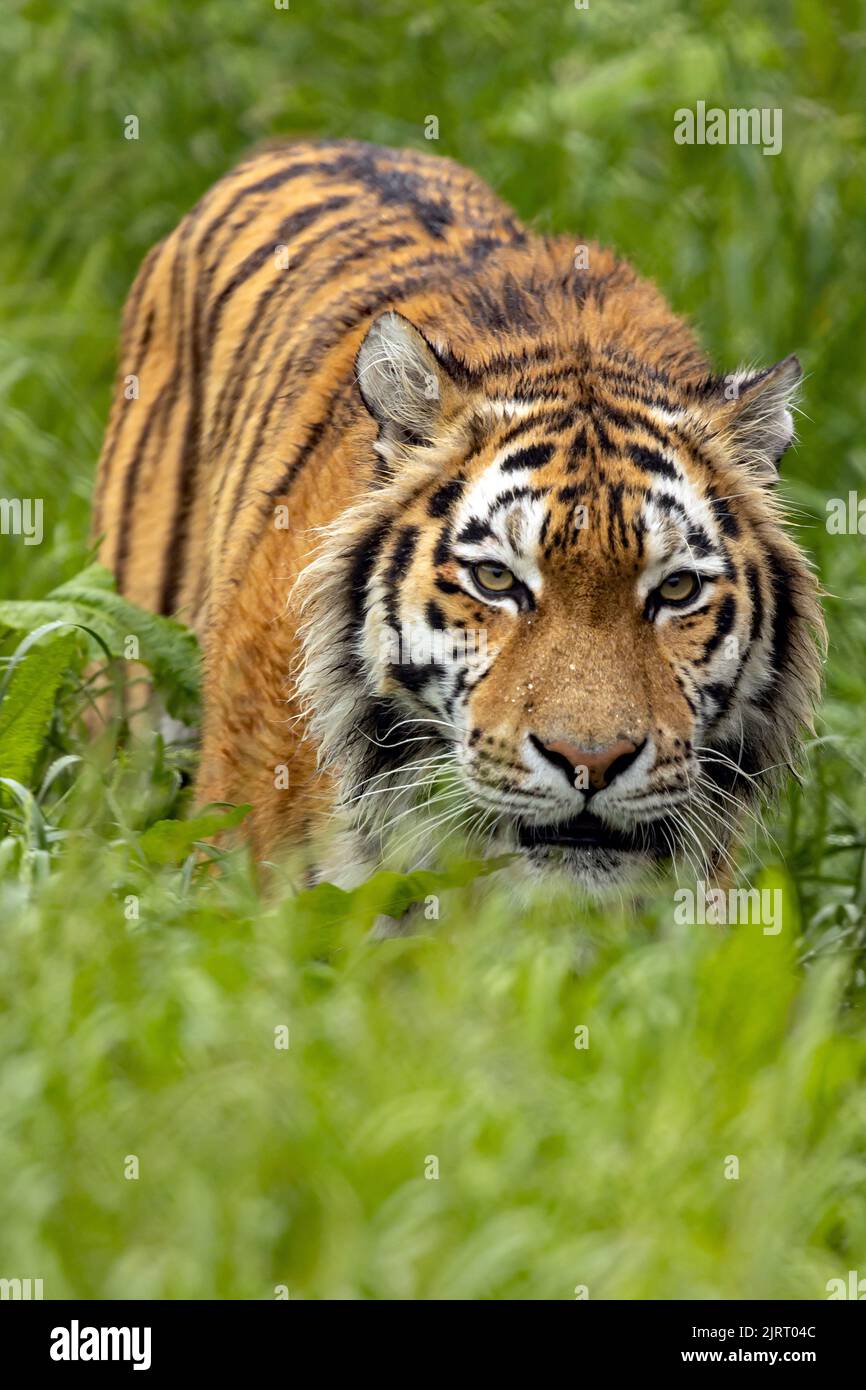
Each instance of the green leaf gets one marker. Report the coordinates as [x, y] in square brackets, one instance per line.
[94, 576]
[28, 703]
[21, 651]
[170, 841]
[167, 648]
[388, 893]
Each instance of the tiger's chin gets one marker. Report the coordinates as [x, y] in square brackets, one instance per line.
[598, 859]
[597, 874]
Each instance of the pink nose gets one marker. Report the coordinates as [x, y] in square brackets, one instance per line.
[601, 764]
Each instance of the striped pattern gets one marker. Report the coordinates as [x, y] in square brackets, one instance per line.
[578, 437]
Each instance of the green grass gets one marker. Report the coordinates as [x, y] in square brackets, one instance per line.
[305, 1167]
[140, 995]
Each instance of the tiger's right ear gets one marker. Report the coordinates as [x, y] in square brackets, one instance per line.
[403, 384]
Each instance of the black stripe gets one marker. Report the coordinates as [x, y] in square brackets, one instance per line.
[725, 517]
[604, 443]
[668, 503]
[782, 626]
[757, 597]
[362, 558]
[442, 552]
[649, 461]
[264, 185]
[553, 420]
[444, 498]
[130, 488]
[398, 565]
[615, 518]
[121, 408]
[474, 530]
[162, 409]
[290, 227]
[517, 494]
[725, 619]
[396, 185]
[435, 616]
[504, 364]
[312, 438]
[724, 695]
[174, 557]
[533, 456]
[698, 540]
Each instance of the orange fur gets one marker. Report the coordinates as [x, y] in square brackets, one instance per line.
[243, 328]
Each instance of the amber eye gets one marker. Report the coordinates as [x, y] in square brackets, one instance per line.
[679, 587]
[496, 579]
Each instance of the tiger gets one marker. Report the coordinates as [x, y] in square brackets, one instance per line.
[468, 528]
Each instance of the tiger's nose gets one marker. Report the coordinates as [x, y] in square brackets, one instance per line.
[590, 769]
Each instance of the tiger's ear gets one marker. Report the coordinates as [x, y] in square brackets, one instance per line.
[403, 384]
[752, 412]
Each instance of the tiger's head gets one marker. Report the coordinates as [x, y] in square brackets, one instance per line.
[564, 614]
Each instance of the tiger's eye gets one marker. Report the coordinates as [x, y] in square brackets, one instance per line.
[680, 587]
[495, 578]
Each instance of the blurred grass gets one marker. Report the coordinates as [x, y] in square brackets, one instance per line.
[307, 1167]
[557, 1167]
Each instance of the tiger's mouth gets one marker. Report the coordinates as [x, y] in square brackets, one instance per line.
[587, 831]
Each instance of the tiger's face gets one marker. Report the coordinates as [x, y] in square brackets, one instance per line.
[579, 605]
[606, 623]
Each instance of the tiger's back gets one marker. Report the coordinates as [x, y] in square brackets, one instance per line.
[239, 337]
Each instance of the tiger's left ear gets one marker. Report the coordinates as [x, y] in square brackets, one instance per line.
[752, 412]
[403, 384]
